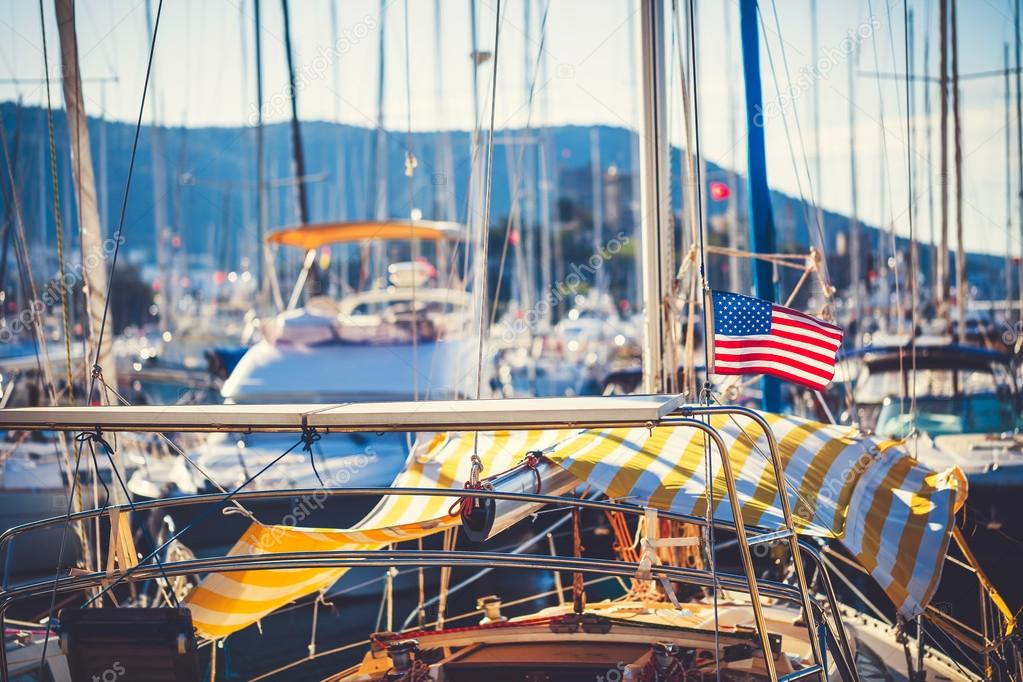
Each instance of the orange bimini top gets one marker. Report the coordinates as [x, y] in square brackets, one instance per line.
[314, 236]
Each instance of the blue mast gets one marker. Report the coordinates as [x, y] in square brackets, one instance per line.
[761, 221]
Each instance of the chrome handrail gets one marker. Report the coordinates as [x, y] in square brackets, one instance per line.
[395, 558]
[213, 498]
[684, 416]
[339, 558]
[778, 468]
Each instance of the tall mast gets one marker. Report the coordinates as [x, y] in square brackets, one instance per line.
[445, 191]
[962, 286]
[734, 272]
[914, 258]
[1019, 144]
[98, 343]
[1008, 184]
[928, 133]
[160, 226]
[262, 269]
[656, 226]
[380, 153]
[597, 188]
[309, 269]
[546, 153]
[341, 200]
[380, 205]
[297, 151]
[941, 276]
[528, 166]
[855, 250]
[816, 192]
[761, 221]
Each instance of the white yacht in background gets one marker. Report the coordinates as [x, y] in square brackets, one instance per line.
[407, 336]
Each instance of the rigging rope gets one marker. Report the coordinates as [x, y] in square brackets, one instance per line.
[96, 437]
[697, 214]
[887, 176]
[197, 521]
[477, 463]
[815, 202]
[181, 453]
[516, 186]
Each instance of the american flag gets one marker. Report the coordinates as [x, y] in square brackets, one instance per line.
[751, 336]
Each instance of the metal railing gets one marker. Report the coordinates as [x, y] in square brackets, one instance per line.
[814, 615]
[82, 582]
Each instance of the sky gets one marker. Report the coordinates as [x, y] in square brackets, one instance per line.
[204, 75]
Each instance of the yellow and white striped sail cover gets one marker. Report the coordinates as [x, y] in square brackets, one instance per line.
[892, 513]
[227, 602]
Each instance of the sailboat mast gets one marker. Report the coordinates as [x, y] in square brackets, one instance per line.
[734, 271]
[163, 265]
[1019, 143]
[545, 154]
[444, 199]
[380, 153]
[816, 191]
[761, 221]
[310, 272]
[941, 276]
[597, 188]
[962, 286]
[297, 152]
[262, 271]
[341, 199]
[914, 256]
[1008, 184]
[928, 133]
[93, 257]
[855, 250]
[655, 225]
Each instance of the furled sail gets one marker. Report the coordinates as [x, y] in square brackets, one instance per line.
[893, 514]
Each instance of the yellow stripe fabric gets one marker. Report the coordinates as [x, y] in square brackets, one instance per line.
[892, 513]
[228, 602]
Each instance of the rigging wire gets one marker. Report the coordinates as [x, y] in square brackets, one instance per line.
[815, 201]
[477, 464]
[194, 523]
[697, 179]
[887, 176]
[42, 359]
[784, 118]
[97, 370]
[516, 185]
[119, 238]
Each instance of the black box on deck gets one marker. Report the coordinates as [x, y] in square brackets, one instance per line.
[129, 645]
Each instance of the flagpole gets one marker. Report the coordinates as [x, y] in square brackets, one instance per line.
[761, 222]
